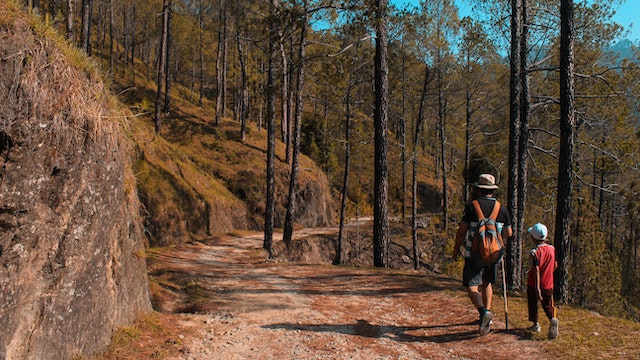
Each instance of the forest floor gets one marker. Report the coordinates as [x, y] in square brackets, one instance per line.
[244, 306]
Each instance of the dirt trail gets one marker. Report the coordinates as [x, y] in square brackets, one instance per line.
[251, 308]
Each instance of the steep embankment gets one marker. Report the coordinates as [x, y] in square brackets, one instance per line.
[72, 265]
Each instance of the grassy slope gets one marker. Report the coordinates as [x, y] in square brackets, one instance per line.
[197, 179]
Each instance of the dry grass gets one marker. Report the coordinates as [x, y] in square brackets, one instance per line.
[153, 336]
[70, 99]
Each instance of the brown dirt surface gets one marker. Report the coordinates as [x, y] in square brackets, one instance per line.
[249, 307]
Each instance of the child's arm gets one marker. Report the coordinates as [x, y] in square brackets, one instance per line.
[538, 283]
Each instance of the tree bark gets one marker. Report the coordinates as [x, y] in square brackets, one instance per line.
[285, 125]
[71, 36]
[85, 43]
[291, 204]
[168, 60]
[161, 65]
[201, 50]
[381, 140]
[244, 91]
[403, 140]
[565, 165]
[125, 38]
[221, 61]
[523, 146]
[414, 176]
[112, 56]
[345, 179]
[270, 203]
[513, 245]
[467, 146]
[443, 140]
[133, 44]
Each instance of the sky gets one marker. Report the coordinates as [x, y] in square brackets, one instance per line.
[627, 14]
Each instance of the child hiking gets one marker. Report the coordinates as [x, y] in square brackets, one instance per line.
[477, 277]
[540, 280]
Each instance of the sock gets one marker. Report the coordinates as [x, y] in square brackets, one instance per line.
[482, 310]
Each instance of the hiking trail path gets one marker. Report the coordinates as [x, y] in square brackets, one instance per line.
[254, 308]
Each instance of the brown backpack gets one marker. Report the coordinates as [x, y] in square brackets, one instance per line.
[487, 246]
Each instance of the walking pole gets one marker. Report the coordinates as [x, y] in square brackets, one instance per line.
[504, 291]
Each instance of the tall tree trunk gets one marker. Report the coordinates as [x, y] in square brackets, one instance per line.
[201, 50]
[168, 81]
[403, 140]
[293, 178]
[101, 31]
[244, 91]
[523, 145]
[133, 44]
[443, 141]
[285, 125]
[261, 108]
[514, 245]
[85, 43]
[345, 179]
[467, 146]
[381, 140]
[270, 203]
[162, 53]
[225, 61]
[414, 176]
[125, 38]
[220, 61]
[112, 57]
[565, 163]
[71, 35]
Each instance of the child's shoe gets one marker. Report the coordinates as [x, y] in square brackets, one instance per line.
[553, 328]
[534, 328]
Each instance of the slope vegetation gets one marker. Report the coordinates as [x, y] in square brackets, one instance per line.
[199, 179]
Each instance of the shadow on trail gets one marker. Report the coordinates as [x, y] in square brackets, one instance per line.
[397, 333]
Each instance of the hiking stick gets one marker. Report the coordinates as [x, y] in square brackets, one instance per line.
[504, 291]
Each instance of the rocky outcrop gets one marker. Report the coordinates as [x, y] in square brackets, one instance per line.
[72, 266]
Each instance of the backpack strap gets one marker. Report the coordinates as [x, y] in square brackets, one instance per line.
[494, 216]
[480, 214]
[496, 210]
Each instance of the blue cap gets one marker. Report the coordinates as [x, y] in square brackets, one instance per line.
[538, 231]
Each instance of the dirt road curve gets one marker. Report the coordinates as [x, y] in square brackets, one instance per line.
[251, 308]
